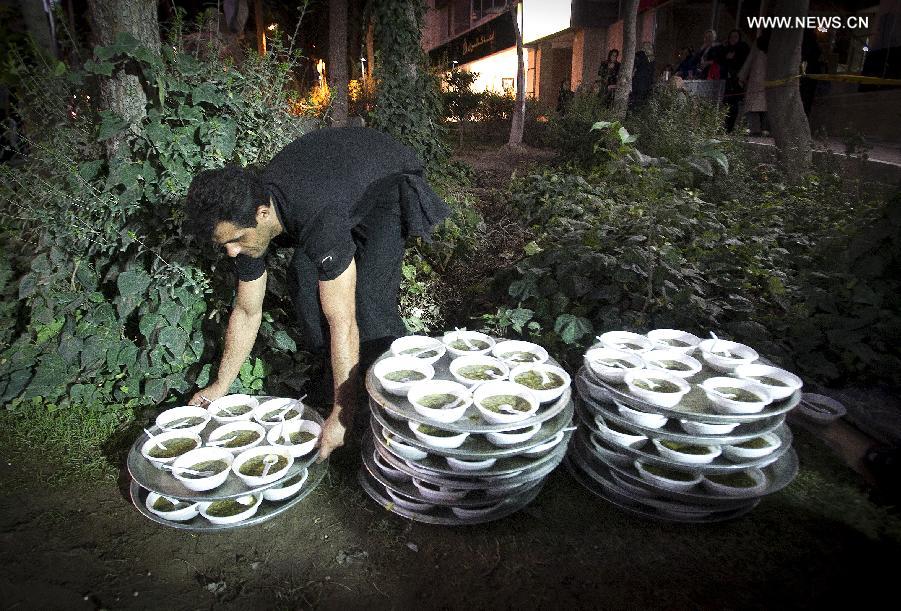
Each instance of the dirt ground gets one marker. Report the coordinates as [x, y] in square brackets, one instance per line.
[83, 546]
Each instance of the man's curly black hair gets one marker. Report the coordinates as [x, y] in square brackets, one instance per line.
[229, 194]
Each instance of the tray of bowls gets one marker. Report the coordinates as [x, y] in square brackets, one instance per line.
[467, 498]
[603, 482]
[676, 374]
[225, 460]
[456, 382]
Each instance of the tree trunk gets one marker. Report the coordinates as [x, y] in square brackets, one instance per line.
[785, 111]
[122, 93]
[337, 52]
[39, 25]
[518, 123]
[260, 26]
[624, 81]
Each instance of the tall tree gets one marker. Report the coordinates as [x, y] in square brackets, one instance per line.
[518, 123]
[407, 99]
[624, 81]
[785, 111]
[337, 59]
[122, 92]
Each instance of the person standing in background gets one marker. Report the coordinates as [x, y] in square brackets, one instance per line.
[608, 72]
[643, 76]
[706, 57]
[752, 77]
[732, 56]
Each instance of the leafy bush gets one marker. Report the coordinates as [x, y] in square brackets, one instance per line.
[118, 307]
[570, 133]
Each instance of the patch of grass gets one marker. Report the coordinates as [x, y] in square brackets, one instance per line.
[80, 442]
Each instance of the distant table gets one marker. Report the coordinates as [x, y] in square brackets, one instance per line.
[708, 90]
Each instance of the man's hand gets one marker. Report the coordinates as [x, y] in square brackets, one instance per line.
[333, 431]
[205, 396]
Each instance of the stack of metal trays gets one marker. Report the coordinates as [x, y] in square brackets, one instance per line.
[631, 468]
[433, 485]
[151, 484]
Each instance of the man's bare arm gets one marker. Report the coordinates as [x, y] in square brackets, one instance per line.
[243, 324]
[338, 299]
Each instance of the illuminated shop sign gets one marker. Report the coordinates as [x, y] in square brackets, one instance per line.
[485, 40]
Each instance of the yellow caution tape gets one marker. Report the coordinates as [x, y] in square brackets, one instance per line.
[845, 78]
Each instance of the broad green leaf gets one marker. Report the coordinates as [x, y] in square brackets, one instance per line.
[572, 328]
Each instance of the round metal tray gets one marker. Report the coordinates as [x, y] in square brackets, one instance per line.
[266, 511]
[720, 464]
[162, 482]
[779, 474]
[478, 480]
[443, 515]
[474, 497]
[694, 405]
[476, 446]
[608, 490]
[672, 430]
[471, 421]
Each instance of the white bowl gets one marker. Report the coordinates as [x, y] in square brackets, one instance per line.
[397, 446]
[684, 457]
[434, 439]
[282, 492]
[515, 352]
[645, 419]
[266, 412]
[713, 389]
[618, 437]
[421, 390]
[477, 360]
[471, 513]
[626, 341]
[630, 487]
[434, 492]
[461, 465]
[662, 337]
[202, 455]
[739, 354]
[220, 408]
[251, 501]
[472, 336]
[656, 359]
[820, 409]
[259, 451]
[661, 481]
[500, 387]
[597, 355]
[392, 473]
[543, 395]
[407, 503]
[703, 428]
[606, 454]
[275, 437]
[495, 488]
[654, 397]
[179, 515]
[758, 373]
[180, 414]
[743, 491]
[736, 453]
[412, 344]
[509, 438]
[162, 438]
[543, 448]
[227, 430]
[395, 364]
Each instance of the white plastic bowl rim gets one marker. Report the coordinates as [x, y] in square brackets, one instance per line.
[238, 517]
[658, 335]
[510, 346]
[504, 387]
[274, 436]
[615, 340]
[639, 466]
[420, 389]
[423, 342]
[548, 394]
[460, 464]
[654, 357]
[184, 411]
[437, 492]
[757, 370]
[509, 438]
[404, 450]
[449, 441]
[639, 417]
[732, 451]
[546, 446]
[704, 428]
[665, 399]
[400, 363]
[229, 401]
[281, 492]
[756, 474]
[742, 353]
[609, 434]
[451, 336]
[179, 515]
[278, 404]
[257, 480]
[221, 432]
[682, 457]
[198, 455]
[476, 359]
[407, 503]
[162, 438]
[711, 387]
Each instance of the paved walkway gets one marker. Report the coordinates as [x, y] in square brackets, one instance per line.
[885, 152]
